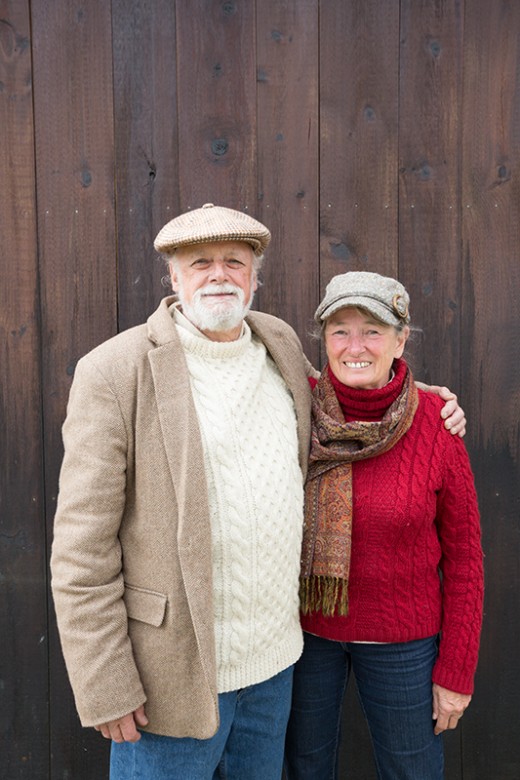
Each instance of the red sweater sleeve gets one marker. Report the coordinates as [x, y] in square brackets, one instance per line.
[462, 571]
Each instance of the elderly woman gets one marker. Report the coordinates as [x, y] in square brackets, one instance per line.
[392, 582]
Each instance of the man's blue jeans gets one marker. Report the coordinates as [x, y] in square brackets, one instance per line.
[249, 744]
[394, 684]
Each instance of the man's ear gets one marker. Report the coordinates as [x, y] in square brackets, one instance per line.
[173, 276]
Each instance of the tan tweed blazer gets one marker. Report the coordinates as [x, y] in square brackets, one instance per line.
[131, 558]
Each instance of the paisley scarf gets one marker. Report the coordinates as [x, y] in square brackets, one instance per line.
[327, 531]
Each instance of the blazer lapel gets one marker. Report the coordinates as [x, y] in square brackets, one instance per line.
[184, 452]
[290, 361]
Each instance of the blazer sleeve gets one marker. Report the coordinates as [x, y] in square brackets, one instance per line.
[461, 566]
[310, 370]
[86, 564]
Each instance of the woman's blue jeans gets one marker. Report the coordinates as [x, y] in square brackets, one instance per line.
[249, 744]
[394, 683]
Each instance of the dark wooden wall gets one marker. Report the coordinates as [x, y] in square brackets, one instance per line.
[368, 134]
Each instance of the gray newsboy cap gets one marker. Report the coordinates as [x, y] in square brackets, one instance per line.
[212, 223]
[382, 296]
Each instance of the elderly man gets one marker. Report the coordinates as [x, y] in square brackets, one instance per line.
[177, 535]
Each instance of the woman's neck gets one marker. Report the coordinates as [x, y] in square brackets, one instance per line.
[369, 405]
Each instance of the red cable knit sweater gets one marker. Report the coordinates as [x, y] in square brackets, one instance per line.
[415, 512]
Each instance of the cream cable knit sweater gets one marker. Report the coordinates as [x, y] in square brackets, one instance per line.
[248, 431]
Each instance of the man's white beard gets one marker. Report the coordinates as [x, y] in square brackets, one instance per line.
[215, 316]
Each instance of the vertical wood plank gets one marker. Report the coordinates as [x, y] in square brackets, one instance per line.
[287, 73]
[429, 199]
[147, 176]
[429, 194]
[359, 71]
[491, 365]
[23, 619]
[359, 51]
[217, 103]
[75, 172]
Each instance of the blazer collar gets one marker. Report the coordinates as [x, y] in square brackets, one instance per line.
[161, 327]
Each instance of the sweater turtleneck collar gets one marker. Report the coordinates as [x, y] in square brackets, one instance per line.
[369, 405]
[197, 343]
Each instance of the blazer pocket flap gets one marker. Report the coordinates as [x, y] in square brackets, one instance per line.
[145, 605]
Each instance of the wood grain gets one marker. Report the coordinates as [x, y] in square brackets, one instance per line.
[24, 636]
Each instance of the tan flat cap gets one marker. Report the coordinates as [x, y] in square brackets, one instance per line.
[212, 223]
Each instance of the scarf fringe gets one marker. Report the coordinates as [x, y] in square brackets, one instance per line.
[328, 595]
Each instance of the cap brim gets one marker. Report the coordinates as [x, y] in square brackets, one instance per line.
[379, 310]
[257, 246]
